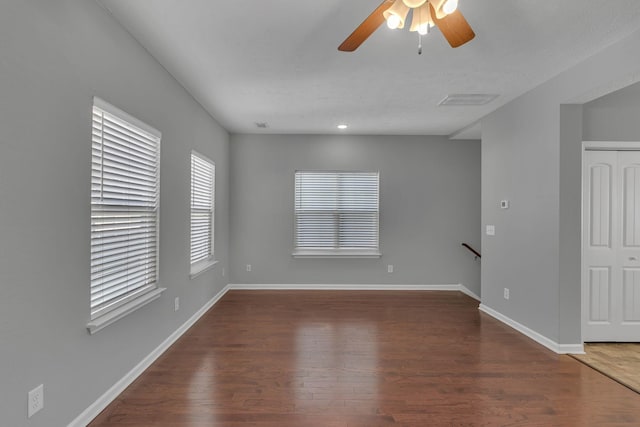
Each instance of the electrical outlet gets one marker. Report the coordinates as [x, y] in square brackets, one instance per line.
[176, 304]
[506, 293]
[222, 271]
[390, 268]
[36, 400]
[248, 267]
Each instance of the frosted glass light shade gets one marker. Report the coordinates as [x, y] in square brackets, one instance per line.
[393, 21]
[450, 6]
[438, 8]
[414, 3]
[421, 20]
[399, 10]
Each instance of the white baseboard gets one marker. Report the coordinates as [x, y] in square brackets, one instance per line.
[539, 338]
[109, 396]
[352, 287]
[571, 349]
[469, 293]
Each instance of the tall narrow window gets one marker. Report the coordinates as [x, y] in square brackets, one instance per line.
[124, 213]
[336, 213]
[202, 212]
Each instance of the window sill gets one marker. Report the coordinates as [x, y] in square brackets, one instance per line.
[200, 267]
[344, 253]
[117, 314]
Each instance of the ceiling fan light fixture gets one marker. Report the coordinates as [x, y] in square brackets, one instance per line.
[396, 14]
[421, 20]
[453, 27]
[439, 7]
[414, 3]
[450, 6]
[393, 22]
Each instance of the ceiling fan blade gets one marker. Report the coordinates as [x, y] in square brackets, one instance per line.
[453, 27]
[365, 29]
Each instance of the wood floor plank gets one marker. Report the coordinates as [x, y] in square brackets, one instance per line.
[620, 361]
[354, 358]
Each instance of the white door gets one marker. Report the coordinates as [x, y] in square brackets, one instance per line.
[611, 240]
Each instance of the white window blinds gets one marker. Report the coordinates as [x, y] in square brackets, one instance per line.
[336, 212]
[124, 208]
[202, 208]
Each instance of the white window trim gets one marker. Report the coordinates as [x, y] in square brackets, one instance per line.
[202, 266]
[104, 105]
[120, 312]
[336, 253]
[340, 252]
[103, 320]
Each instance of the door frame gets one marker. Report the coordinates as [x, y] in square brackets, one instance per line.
[593, 146]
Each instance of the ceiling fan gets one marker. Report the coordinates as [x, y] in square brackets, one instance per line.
[425, 14]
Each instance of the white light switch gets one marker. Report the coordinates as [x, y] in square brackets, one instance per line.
[491, 230]
[504, 204]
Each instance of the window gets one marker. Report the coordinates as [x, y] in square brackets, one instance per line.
[336, 214]
[202, 213]
[124, 214]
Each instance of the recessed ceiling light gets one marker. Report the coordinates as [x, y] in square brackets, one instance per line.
[343, 126]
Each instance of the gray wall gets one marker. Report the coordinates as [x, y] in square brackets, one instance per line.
[520, 163]
[429, 204]
[570, 230]
[613, 117]
[531, 154]
[55, 57]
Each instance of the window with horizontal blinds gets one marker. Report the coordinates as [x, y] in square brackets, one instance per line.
[336, 212]
[124, 208]
[202, 208]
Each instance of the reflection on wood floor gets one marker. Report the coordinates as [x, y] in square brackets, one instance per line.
[620, 361]
[341, 358]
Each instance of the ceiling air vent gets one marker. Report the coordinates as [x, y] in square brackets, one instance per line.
[466, 99]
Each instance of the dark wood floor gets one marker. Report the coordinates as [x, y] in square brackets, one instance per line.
[311, 358]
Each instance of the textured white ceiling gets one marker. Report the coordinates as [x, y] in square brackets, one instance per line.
[277, 61]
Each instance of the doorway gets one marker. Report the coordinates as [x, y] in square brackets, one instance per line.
[611, 242]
